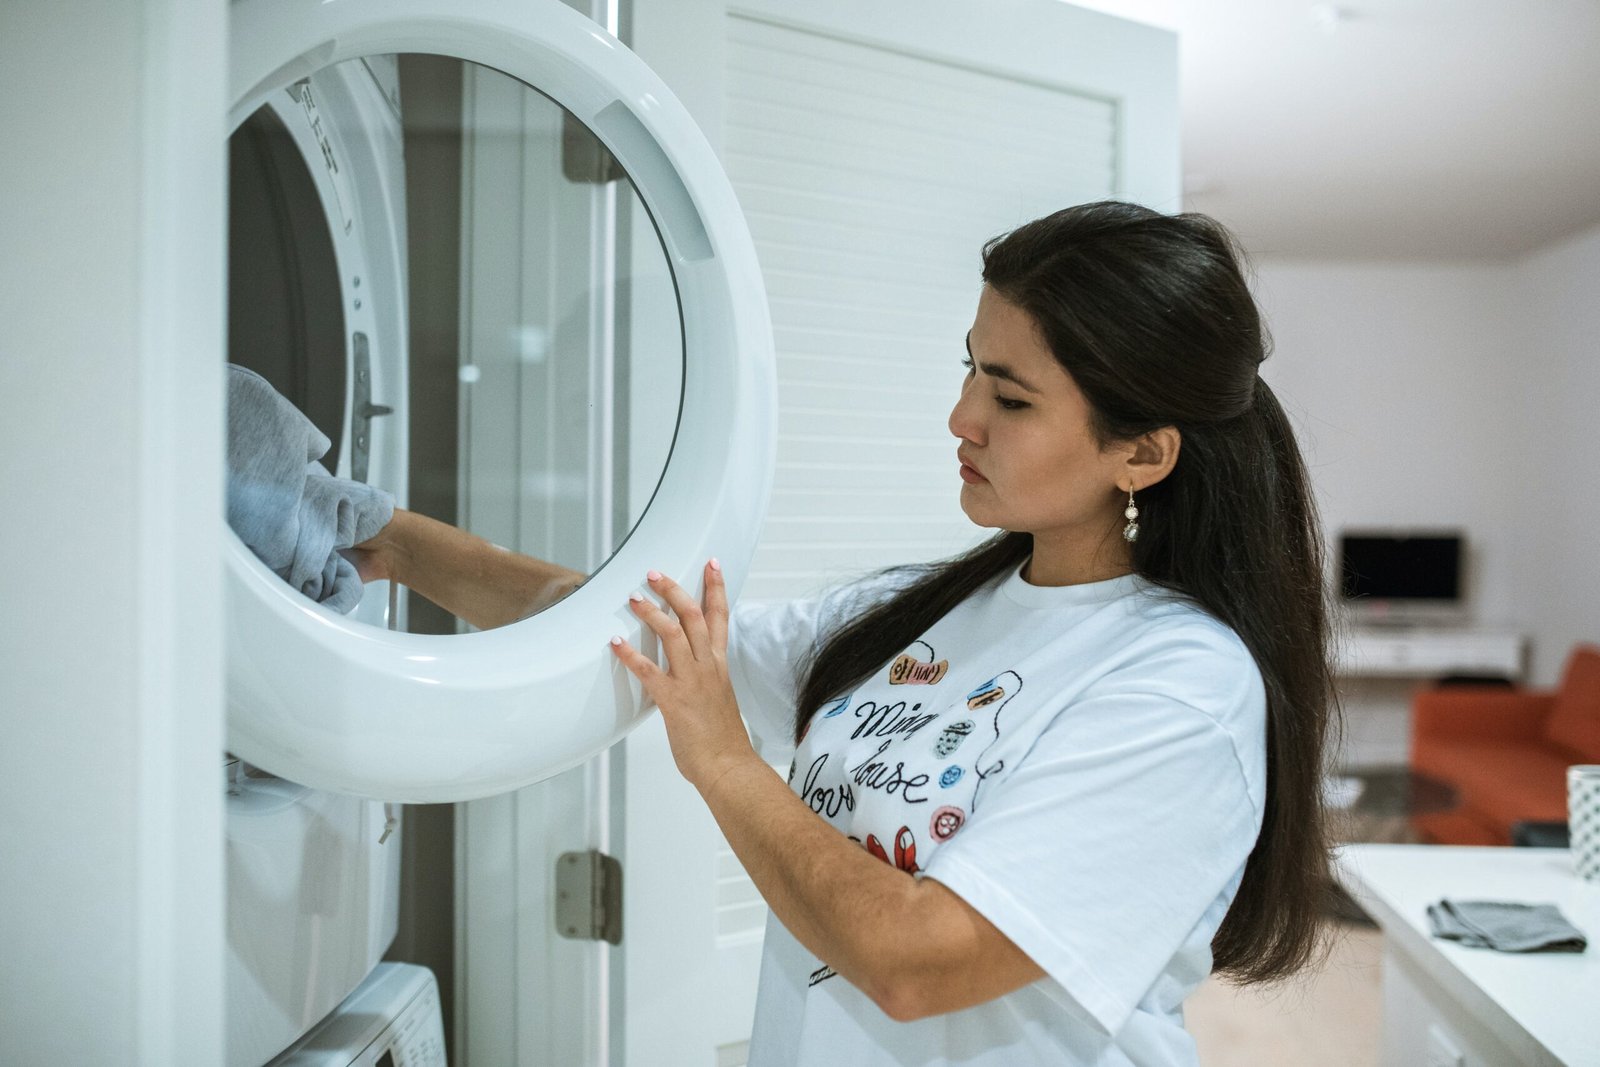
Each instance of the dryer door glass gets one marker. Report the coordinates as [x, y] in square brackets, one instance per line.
[462, 290]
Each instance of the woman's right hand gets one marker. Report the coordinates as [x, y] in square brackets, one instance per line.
[469, 577]
[374, 559]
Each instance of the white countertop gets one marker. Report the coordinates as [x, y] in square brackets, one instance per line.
[1552, 997]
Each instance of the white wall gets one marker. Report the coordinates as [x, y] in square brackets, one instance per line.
[111, 477]
[1452, 393]
[1553, 364]
[1393, 376]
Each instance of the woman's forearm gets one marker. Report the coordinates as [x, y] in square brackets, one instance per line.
[911, 945]
[469, 577]
[852, 911]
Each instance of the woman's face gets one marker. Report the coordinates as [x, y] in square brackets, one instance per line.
[1030, 462]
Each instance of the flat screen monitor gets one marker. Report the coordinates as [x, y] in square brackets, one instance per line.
[1393, 575]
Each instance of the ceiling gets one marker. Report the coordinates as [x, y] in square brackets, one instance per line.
[1388, 129]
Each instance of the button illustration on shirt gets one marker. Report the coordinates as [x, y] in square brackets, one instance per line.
[952, 774]
[951, 736]
[946, 821]
[984, 695]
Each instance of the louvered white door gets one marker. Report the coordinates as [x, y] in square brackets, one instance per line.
[874, 148]
[871, 176]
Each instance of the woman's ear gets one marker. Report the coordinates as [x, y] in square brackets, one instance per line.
[1154, 455]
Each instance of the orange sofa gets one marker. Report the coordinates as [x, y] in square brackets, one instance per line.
[1506, 751]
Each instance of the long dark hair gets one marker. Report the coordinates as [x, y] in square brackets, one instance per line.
[1152, 317]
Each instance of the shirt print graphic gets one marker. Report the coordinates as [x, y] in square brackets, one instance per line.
[909, 670]
[992, 694]
[923, 783]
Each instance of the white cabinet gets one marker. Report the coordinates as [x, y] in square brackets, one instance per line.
[1413, 652]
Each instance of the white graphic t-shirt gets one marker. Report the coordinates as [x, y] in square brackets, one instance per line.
[1084, 765]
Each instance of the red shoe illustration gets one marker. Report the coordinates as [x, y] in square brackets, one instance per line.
[905, 850]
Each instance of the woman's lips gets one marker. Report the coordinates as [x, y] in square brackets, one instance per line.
[970, 475]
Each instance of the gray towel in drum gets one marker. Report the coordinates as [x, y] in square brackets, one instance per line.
[1505, 926]
[284, 505]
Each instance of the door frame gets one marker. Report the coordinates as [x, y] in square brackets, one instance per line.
[686, 43]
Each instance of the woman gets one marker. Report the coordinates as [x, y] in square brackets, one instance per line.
[1040, 790]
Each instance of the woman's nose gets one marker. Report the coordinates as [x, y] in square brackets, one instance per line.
[963, 421]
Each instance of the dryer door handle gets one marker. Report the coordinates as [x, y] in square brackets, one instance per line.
[365, 409]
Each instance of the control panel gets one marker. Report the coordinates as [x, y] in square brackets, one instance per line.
[391, 1020]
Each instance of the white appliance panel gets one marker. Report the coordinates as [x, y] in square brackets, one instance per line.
[313, 904]
[391, 1020]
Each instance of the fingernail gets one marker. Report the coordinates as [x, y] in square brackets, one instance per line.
[616, 641]
[654, 576]
[635, 597]
[716, 566]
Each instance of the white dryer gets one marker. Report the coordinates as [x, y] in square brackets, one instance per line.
[614, 414]
[317, 305]
[317, 280]
[606, 331]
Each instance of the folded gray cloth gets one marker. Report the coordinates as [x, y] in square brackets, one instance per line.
[284, 505]
[1505, 926]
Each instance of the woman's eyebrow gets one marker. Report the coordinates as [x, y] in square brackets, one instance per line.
[998, 370]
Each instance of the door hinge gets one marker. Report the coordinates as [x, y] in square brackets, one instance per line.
[589, 896]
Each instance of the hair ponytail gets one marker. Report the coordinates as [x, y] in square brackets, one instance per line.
[1247, 497]
[1152, 317]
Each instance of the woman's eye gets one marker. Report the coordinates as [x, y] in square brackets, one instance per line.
[966, 361]
[1011, 405]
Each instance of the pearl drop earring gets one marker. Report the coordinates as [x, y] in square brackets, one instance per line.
[1130, 532]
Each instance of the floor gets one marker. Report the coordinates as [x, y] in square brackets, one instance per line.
[1325, 1018]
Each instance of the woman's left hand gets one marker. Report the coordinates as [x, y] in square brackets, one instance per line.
[694, 693]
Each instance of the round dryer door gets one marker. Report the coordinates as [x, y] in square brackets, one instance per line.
[493, 261]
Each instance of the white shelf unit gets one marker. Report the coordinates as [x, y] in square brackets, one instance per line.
[1424, 652]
